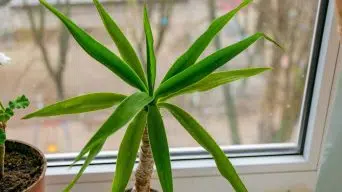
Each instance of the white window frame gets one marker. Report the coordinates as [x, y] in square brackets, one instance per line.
[260, 173]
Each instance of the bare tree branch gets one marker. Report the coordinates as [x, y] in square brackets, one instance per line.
[166, 13]
[39, 37]
[38, 33]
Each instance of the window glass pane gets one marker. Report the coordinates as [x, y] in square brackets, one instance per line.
[49, 66]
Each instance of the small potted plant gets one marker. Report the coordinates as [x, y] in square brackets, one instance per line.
[22, 166]
[141, 110]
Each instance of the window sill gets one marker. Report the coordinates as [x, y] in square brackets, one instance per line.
[259, 174]
[189, 168]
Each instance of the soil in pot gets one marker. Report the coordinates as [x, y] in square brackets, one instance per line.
[23, 167]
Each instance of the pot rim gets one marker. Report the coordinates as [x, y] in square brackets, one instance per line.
[42, 175]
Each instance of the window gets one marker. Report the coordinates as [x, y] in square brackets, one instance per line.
[265, 115]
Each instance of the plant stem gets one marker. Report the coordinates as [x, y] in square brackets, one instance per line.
[2, 154]
[2, 161]
[145, 168]
[1, 106]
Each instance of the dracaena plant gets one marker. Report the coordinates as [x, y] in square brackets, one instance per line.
[141, 110]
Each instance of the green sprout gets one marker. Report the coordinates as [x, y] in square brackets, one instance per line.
[141, 110]
[6, 113]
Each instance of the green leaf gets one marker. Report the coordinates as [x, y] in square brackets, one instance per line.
[4, 117]
[1, 107]
[217, 79]
[120, 117]
[128, 152]
[205, 67]
[9, 111]
[92, 154]
[206, 141]
[151, 58]
[2, 136]
[98, 51]
[125, 48]
[196, 49]
[6, 114]
[160, 148]
[80, 104]
[19, 103]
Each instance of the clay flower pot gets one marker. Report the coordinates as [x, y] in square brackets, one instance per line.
[25, 168]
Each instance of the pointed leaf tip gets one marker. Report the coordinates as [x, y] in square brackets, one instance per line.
[150, 53]
[268, 38]
[190, 57]
[80, 104]
[199, 133]
[205, 67]
[125, 48]
[92, 154]
[98, 51]
[217, 79]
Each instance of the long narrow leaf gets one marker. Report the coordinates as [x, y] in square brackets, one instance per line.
[125, 48]
[205, 67]
[128, 152]
[160, 148]
[80, 104]
[98, 51]
[120, 117]
[92, 154]
[151, 58]
[193, 53]
[217, 79]
[206, 141]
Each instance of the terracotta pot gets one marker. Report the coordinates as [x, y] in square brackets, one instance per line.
[24, 148]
